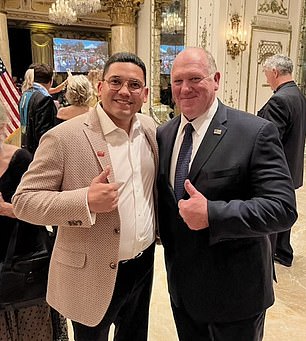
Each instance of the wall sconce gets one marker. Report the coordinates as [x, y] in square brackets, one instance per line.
[235, 41]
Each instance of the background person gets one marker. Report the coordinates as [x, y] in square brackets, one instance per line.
[214, 226]
[78, 94]
[95, 76]
[37, 109]
[31, 323]
[287, 110]
[93, 176]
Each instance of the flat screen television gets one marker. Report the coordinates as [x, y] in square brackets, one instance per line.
[167, 55]
[79, 56]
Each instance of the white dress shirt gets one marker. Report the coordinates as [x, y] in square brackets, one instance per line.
[133, 166]
[200, 126]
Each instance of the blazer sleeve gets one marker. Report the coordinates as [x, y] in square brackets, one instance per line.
[271, 205]
[40, 199]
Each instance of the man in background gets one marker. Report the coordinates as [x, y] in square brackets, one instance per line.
[287, 110]
[36, 107]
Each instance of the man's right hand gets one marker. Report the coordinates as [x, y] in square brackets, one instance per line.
[102, 196]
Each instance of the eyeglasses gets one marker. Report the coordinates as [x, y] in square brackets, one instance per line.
[133, 85]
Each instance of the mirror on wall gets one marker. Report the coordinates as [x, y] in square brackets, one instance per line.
[169, 40]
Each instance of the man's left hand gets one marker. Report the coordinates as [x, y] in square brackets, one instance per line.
[194, 210]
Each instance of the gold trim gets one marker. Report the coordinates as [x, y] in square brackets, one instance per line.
[274, 7]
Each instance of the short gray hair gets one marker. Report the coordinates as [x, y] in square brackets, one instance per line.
[79, 90]
[280, 62]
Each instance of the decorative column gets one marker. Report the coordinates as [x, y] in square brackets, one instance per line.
[4, 42]
[123, 15]
[156, 51]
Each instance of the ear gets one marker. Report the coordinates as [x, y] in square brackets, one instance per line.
[217, 77]
[275, 73]
[146, 93]
[99, 87]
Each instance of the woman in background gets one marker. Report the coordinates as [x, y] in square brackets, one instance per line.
[78, 94]
[94, 76]
[31, 323]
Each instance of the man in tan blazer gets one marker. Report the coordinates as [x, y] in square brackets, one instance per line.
[93, 176]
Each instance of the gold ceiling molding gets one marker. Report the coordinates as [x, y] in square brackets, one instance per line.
[122, 12]
[274, 7]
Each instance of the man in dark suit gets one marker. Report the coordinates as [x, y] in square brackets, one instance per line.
[215, 229]
[36, 107]
[287, 110]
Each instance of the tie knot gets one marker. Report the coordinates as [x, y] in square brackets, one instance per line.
[188, 129]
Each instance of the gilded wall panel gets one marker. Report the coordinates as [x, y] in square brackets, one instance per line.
[278, 8]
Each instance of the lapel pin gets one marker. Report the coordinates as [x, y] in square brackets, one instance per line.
[100, 153]
[217, 131]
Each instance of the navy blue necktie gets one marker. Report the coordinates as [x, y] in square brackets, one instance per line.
[183, 160]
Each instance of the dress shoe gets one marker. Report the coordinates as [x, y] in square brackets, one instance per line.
[281, 261]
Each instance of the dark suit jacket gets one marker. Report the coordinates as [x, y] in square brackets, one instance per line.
[40, 116]
[224, 273]
[287, 110]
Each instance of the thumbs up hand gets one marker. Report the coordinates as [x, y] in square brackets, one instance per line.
[102, 196]
[194, 210]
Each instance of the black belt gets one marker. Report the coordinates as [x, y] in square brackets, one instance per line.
[137, 256]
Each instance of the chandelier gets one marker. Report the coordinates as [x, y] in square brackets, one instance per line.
[61, 13]
[83, 7]
[172, 22]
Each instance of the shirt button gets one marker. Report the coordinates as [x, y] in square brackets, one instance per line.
[117, 231]
[113, 265]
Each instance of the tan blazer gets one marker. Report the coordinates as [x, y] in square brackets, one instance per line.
[53, 192]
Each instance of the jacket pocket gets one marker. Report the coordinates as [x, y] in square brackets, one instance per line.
[70, 258]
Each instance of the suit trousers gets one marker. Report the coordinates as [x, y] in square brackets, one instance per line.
[250, 329]
[129, 307]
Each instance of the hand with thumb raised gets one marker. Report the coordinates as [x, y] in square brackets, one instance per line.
[194, 210]
[102, 196]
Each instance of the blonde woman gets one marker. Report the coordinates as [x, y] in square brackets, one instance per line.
[95, 76]
[79, 93]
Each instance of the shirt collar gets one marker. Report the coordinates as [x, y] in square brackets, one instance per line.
[41, 88]
[198, 122]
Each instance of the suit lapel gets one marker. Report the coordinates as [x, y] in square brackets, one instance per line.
[96, 139]
[215, 133]
[171, 134]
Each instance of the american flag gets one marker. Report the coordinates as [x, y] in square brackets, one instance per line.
[9, 96]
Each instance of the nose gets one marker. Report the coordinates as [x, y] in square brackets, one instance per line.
[185, 86]
[124, 88]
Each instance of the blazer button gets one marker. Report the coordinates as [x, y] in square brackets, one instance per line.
[117, 231]
[113, 265]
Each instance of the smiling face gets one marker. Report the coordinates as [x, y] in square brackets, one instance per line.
[194, 85]
[121, 105]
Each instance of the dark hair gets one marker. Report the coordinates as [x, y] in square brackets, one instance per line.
[43, 73]
[125, 57]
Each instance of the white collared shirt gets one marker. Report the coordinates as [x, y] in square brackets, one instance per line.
[133, 166]
[200, 126]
